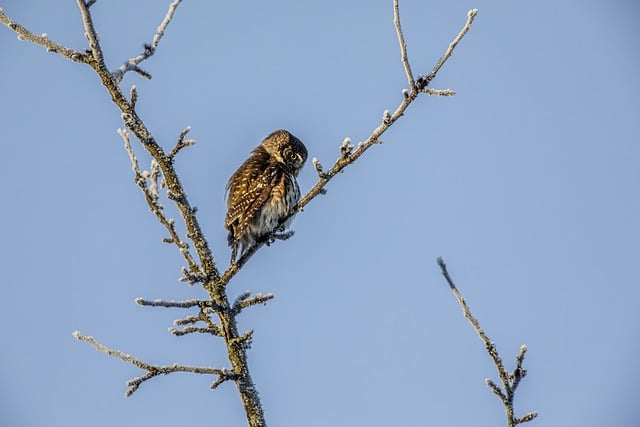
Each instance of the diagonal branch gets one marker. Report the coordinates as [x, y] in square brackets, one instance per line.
[243, 301]
[509, 381]
[423, 82]
[132, 64]
[347, 156]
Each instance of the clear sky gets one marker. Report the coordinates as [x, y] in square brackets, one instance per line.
[526, 182]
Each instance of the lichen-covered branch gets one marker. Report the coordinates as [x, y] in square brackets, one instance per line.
[154, 370]
[148, 183]
[42, 40]
[509, 380]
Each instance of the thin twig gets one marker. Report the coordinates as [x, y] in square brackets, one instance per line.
[182, 143]
[132, 64]
[423, 82]
[509, 381]
[243, 301]
[195, 329]
[174, 304]
[403, 46]
[152, 370]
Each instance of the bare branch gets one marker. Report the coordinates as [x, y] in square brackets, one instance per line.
[92, 36]
[149, 48]
[133, 95]
[527, 417]
[152, 370]
[173, 304]
[43, 40]
[509, 381]
[423, 82]
[193, 329]
[181, 143]
[403, 46]
[318, 166]
[439, 92]
[520, 372]
[346, 148]
[243, 301]
[202, 316]
[151, 196]
[496, 390]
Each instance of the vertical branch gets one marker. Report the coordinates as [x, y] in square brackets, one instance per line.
[90, 33]
[403, 46]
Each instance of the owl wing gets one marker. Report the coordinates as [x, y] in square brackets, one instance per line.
[249, 189]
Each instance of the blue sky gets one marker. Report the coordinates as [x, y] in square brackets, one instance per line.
[526, 182]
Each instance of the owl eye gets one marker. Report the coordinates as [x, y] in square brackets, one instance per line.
[292, 156]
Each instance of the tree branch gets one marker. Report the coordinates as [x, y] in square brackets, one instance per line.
[154, 370]
[43, 40]
[403, 46]
[423, 82]
[149, 48]
[509, 380]
[151, 196]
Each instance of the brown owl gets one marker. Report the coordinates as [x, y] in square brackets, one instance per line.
[263, 190]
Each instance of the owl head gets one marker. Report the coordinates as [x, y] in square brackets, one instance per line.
[285, 149]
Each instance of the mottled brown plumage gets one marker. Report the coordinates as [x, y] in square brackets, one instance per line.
[263, 190]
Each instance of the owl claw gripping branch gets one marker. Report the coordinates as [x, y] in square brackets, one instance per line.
[263, 191]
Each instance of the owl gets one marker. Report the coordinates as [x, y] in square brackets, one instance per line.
[263, 190]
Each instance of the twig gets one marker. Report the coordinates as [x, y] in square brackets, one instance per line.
[423, 82]
[174, 304]
[403, 46]
[181, 143]
[152, 370]
[509, 381]
[132, 64]
[43, 40]
[151, 196]
[92, 36]
[243, 301]
[439, 92]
